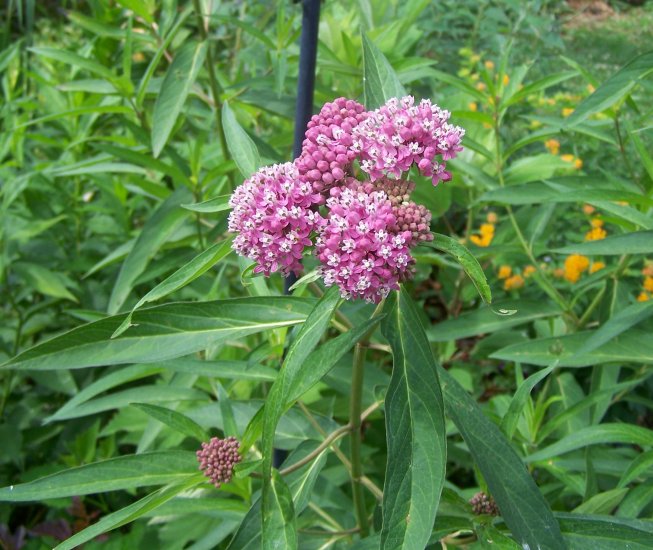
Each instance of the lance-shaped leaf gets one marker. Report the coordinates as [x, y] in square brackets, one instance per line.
[240, 145]
[125, 472]
[466, 260]
[415, 431]
[163, 332]
[521, 503]
[380, 82]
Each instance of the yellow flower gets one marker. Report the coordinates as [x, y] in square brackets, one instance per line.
[138, 57]
[513, 283]
[472, 106]
[596, 266]
[481, 86]
[574, 267]
[578, 164]
[590, 88]
[648, 283]
[506, 79]
[588, 209]
[567, 111]
[567, 157]
[553, 145]
[505, 271]
[596, 222]
[486, 235]
[489, 65]
[487, 229]
[643, 297]
[492, 217]
[596, 234]
[529, 270]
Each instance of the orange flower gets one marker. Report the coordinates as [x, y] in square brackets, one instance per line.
[647, 270]
[596, 234]
[575, 265]
[648, 283]
[568, 158]
[567, 111]
[505, 271]
[513, 283]
[596, 266]
[553, 145]
[480, 86]
[578, 164]
[529, 270]
[492, 217]
[472, 106]
[597, 222]
[559, 273]
[489, 65]
[506, 79]
[643, 297]
[588, 209]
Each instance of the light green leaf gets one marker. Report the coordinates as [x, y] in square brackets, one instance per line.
[415, 431]
[467, 260]
[605, 532]
[75, 60]
[217, 204]
[124, 472]
[521, 503]
[638, 242]
[162, 223]
[240, 145]
[41, 279]
[485, 320]
[185, 275]
[614, 88]
[128, 513]
[163, 332]
[279, 523]
[641, 464]
[599, 434]
[177, 83]
[176, 420]
[380, 82]
[603, 503]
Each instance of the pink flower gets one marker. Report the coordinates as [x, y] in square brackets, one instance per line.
[326, 152]
[273, 219]
[399, 134]
[356, 246]
[217, 459]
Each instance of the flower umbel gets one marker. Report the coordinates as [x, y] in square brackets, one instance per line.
[484, 504]
[217, 459]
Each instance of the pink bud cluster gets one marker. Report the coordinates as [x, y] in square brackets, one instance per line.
[484, 504]
[217, 459]
[399, 134]
[273, 219]
[356, 247]
[326, 152]
[410, 216]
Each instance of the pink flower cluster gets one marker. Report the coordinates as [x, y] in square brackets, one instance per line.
[399, 134]
[365, 229]
[217, 459]
[357, 250]
[326, 151]
[273, 219]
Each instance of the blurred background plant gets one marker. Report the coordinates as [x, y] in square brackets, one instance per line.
[114, 173]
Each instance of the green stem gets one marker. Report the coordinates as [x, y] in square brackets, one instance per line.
[213, 81]
[355, 409]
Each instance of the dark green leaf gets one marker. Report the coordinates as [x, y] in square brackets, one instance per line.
[638, 242]
[241, 146]
[380, 82]
[176, 420]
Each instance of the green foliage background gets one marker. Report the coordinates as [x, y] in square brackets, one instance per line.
[131, 333]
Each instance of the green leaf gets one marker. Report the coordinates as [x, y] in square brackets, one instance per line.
[240, 145]
[217, 204]
[177, 83]
[124, 472]
[275, 405]
[485, 320]
[128, 513]
[638, 242]
[642, 463]
[467, 260]
[41, 279]
[380, 82]
[605, 532]
[185, 275]
[163, 332]
[522, 505]
[595, 435]
[279, 523]
[518, 401]
[70, 58]
[614, 88]
[602, 503]
[162, 223]
[176, 420]
[415, 431]
[631, 346]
